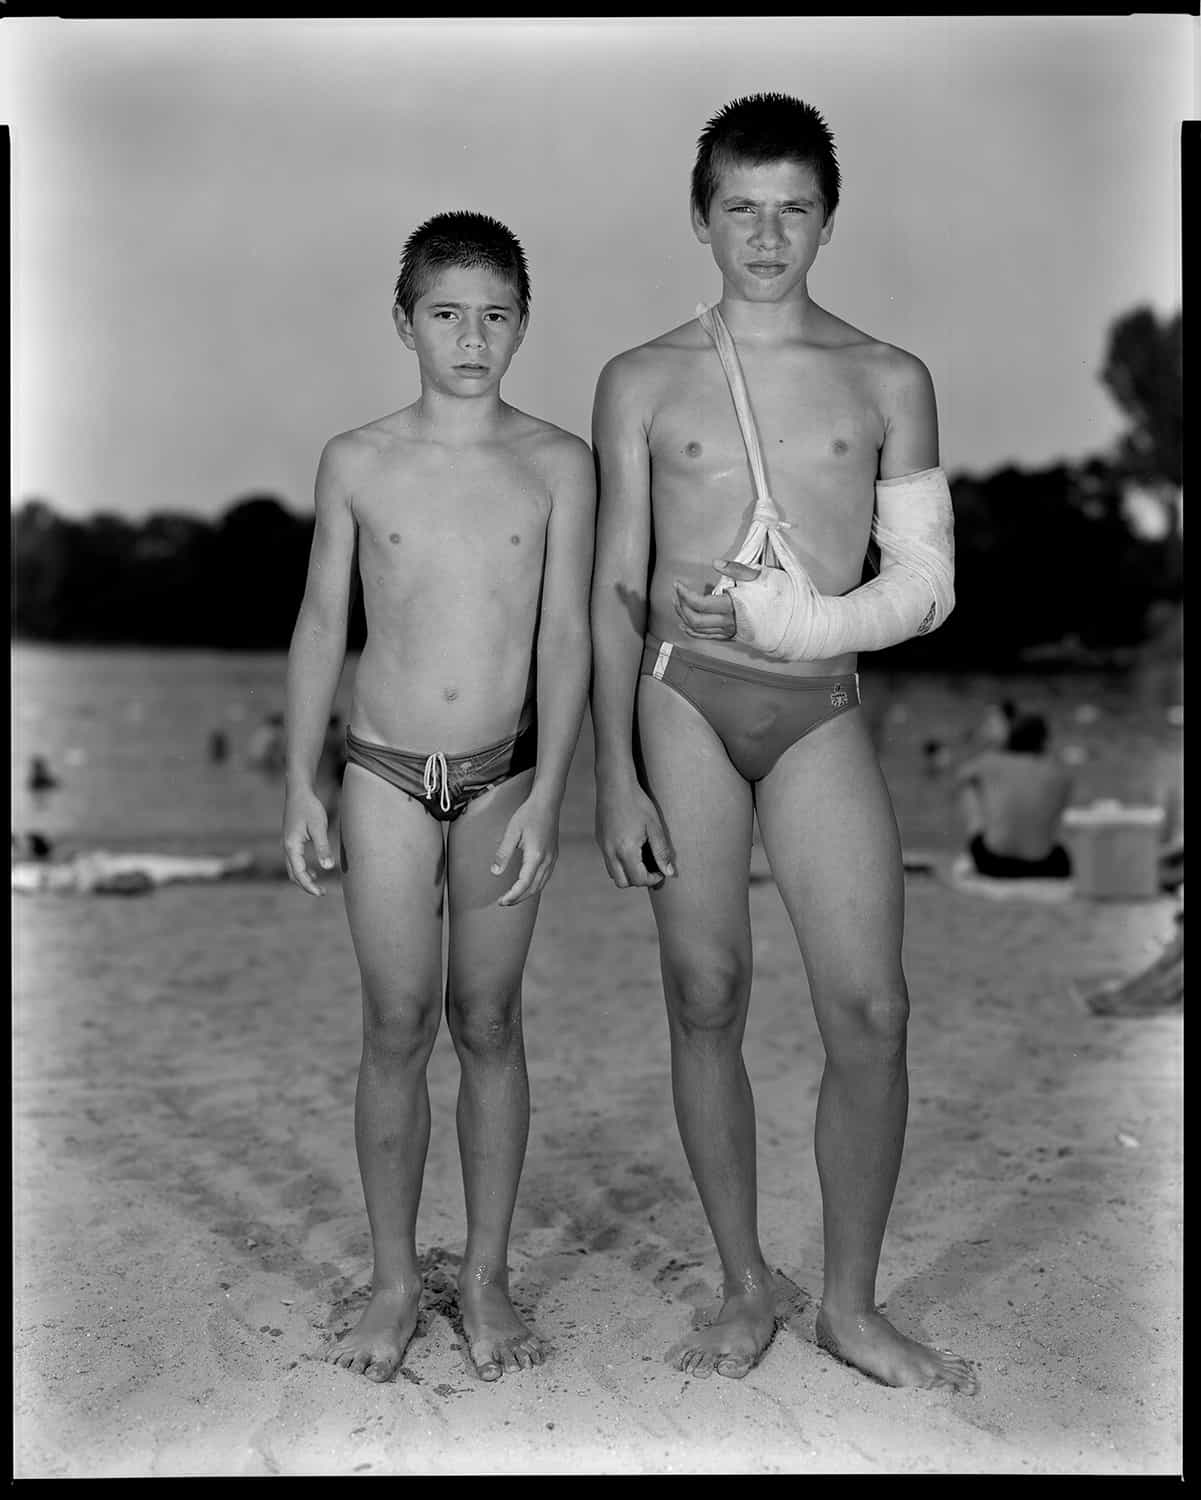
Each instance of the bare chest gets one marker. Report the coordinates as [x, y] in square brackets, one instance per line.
[467, 516]
[818, 434]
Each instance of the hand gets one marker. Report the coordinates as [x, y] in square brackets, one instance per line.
[305, 820]
[627, 824]
[534, 827]
[711, 616]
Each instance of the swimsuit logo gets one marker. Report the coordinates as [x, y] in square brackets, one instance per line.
[838, 698]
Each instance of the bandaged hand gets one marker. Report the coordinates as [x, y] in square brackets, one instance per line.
[781, 614]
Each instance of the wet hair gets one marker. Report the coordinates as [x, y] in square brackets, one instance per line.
[1028, 734]
[762, 128]
[465, 239]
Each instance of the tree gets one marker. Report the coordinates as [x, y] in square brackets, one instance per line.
[1144, 373]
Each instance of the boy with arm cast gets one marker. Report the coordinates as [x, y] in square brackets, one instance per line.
[711, 707]
[472, 527]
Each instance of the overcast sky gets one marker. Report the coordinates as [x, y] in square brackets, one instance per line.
[208, 218]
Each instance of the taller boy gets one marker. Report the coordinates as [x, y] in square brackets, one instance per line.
[692, 743]
[471, 525]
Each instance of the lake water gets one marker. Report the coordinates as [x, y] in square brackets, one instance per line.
[127, 732]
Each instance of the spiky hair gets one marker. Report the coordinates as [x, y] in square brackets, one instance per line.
[762, 128]
[465, 239]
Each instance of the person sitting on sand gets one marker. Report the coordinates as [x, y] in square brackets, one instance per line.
[472, 524]
[1013, 800]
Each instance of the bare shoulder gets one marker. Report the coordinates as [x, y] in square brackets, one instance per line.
[359, 446]
[561, 456]
[635, 377]
[896, 374]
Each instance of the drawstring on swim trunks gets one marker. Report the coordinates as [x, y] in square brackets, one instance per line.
[435, 768]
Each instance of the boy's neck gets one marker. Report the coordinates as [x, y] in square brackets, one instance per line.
[458, 419]
[769, 322]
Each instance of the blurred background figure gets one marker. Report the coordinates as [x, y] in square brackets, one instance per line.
[993, 730]
[218, 747]
[1012, 799]
[40, 778]
[1167, 770]
[31, 846]
[265, 751]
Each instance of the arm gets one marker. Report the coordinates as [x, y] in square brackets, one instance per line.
[315, 661]
[779, 612]
[564, 660]
[626, 818]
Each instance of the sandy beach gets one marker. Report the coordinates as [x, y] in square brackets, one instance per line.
[190, 1231]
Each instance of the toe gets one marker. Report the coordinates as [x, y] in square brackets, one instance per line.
[379, 1370]
[734, 1367]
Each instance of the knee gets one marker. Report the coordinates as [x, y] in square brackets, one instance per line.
[865, 1022]
[707, 992]
[399, 1030]
[484, 1025]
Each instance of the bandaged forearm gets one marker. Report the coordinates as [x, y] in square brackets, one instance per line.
[782, 615]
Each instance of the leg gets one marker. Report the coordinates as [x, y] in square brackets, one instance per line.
[488, 947]
[703, 918]
[831, 837]
[392, 854]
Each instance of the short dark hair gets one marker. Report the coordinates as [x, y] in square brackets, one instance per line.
[762, 128]
[466, 239]
[1028, 734]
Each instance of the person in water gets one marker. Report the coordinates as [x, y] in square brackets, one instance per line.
[472, 524]
[725, 689]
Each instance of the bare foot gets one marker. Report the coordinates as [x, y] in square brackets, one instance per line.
[734, 1343]
[870, 1343]
[497, 1339]
[376, 1344]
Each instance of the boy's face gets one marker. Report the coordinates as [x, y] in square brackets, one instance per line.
[465, 329]
[766, 225]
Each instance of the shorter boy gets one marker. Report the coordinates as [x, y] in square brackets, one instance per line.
[472, 526]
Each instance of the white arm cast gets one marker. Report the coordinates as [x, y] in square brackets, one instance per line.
[782, 615]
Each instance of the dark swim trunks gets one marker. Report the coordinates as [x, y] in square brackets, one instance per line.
[446, 785]
[1054, 866]
[757, 715]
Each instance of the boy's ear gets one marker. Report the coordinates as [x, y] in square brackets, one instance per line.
[827, 229]
[403, 326]
[700, 227]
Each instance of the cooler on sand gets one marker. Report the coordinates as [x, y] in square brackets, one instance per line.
[1115, 850]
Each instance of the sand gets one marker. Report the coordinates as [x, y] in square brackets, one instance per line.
[189, 1225]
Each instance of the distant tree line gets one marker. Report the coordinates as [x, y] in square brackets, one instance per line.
[1043, 557]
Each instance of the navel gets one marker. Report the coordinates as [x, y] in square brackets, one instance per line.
[395, 538]
[515, 539]
[693, 450]
[839, 446]
[450, 694]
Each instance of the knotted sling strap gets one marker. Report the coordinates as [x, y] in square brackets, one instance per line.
[781, 614]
